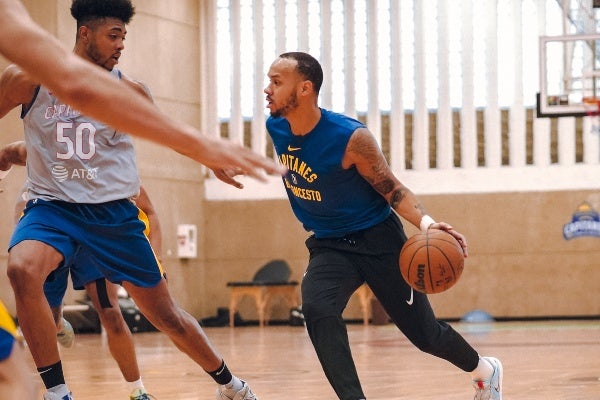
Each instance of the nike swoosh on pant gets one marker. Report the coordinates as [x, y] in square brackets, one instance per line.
[410, 301]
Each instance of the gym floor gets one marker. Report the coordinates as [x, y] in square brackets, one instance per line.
[542, 360]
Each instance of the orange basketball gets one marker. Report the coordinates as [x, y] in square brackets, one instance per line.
[431, 261]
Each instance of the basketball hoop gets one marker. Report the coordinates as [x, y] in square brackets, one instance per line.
[592, 110]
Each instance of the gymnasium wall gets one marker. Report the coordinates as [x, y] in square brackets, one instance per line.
[519, 265]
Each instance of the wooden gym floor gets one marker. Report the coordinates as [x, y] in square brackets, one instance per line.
[542, 360]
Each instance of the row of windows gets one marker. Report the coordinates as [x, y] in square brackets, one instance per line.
[307, 22]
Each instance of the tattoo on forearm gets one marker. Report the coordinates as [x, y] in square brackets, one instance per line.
[397, 198]
[378, 173]
[384, 187]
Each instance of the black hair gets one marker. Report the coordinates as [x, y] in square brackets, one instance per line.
[85, 11]
[308, 67]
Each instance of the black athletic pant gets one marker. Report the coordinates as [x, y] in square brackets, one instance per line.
[337, 267]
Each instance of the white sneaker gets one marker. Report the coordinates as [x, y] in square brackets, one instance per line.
[66, 335]
[52, 396]
[140, 394]
[490, 389]
[229, 394]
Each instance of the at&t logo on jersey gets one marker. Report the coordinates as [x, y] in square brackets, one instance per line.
[61, 174]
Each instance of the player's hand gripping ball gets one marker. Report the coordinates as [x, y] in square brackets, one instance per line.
[431, 261]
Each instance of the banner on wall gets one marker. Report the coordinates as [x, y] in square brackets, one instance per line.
[585, 222]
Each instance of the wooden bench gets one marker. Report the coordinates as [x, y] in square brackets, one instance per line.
[270, 280]
[263, 295]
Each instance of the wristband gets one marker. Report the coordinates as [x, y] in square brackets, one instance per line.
[4, 173]
[426, 222]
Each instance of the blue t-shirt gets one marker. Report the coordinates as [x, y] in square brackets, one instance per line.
[329, 200]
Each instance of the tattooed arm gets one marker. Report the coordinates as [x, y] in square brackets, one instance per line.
[364, 153]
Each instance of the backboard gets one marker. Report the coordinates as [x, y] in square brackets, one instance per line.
[569, 75]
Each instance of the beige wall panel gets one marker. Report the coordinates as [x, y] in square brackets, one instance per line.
[160, 161]
[525, 286]
[180, 110]
[66, 26]
[260, 230]
[519, 263]
[185, 12]
[44, 13]
[242, 236]
[164, 55]
[157, 161]
[177, 202]
[11, 127]
[55, 17]
[515, 223]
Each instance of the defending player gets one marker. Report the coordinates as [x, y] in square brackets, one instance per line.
[103, 294]
[81, 177]
[105, 298]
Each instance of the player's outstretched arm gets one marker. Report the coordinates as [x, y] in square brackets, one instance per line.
[95, 93]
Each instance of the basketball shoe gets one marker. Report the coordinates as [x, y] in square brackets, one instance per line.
[66, 335]
[52, 396]
[140, 394]
[229, 394]
[490, 389]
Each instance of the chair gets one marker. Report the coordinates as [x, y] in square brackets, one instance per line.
[270, 280]
[365, 296]
[372, 312]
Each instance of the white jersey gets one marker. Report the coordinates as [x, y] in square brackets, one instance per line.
[73, 158]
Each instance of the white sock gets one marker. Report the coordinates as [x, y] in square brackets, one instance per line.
[483, 371]
[60, 390]
[235, 384]
[135, 385]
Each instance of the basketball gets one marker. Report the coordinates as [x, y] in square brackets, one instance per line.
[431, 261]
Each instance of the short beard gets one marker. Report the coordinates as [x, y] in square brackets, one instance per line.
[290, 105]
[96, 57]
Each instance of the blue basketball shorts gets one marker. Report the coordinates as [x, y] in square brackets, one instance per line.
[107, 236]
[82, 270]
[8, 332]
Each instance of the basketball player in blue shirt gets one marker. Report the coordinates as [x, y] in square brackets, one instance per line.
[81, 176]
[341, 189]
